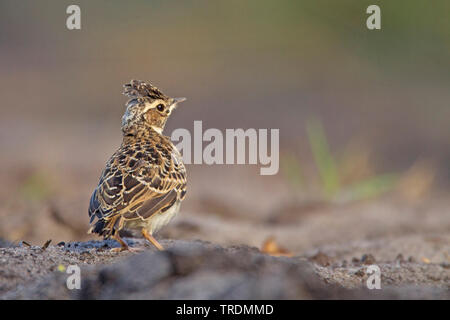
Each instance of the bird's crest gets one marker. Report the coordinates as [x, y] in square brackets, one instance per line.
[142, 91]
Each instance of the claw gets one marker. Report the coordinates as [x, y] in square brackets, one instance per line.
[123, 246]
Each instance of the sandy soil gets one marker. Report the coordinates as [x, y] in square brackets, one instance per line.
[332, 243]
[196, 269]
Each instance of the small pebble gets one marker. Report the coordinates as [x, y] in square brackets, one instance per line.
[360, 273]
[368, 259]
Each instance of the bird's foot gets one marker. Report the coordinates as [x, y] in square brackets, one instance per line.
[124, 246]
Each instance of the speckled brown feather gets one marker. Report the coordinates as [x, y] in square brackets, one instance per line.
[144, 177]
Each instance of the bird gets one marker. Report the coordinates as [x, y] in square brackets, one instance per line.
[144, 182]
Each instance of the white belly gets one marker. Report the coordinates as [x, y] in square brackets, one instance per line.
[155, 223]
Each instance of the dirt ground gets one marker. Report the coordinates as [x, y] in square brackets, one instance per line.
[330, 242]
[328, 252]
[200, 270]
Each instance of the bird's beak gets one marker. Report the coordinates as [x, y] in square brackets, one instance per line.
[176, 101]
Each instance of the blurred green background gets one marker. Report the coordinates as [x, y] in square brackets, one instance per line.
[354, 107]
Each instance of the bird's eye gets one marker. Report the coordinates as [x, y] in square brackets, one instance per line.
[160, 107]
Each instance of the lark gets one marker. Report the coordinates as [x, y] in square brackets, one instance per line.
[144, 182]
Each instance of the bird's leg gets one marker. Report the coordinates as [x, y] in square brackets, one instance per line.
[123, 245]
[150, 238]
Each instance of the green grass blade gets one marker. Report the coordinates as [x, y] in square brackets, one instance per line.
[323, 158]
[371, 188]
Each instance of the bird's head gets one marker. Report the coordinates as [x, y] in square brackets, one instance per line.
[148, 108]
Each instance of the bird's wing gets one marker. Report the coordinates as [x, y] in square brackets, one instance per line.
[138, 189]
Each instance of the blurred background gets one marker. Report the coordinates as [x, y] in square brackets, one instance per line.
[363, 115]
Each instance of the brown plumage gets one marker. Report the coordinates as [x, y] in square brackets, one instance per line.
[144, 181]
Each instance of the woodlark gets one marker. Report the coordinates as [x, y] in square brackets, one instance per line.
[144, 182]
